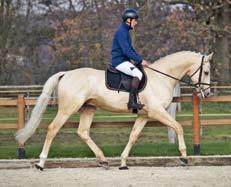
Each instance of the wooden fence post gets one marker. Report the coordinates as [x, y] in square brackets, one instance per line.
[196, 123]
[21, 121]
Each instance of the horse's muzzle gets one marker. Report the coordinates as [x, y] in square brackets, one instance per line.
[203, 93]
[207, 93]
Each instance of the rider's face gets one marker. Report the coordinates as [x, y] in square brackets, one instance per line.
[134, 23]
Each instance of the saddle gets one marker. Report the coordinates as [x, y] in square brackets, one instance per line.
[118, 81]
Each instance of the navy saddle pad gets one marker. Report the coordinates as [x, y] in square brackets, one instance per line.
[116, 80]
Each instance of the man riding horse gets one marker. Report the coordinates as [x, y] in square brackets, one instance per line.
[84, 90]
[123, 52]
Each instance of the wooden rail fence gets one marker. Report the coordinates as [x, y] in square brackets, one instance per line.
[21, 103]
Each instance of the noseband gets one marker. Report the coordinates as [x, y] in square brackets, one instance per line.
[199, 83]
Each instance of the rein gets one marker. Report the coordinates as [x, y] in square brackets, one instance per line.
[196, 85]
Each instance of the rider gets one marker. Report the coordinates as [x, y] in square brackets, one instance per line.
[122, 53]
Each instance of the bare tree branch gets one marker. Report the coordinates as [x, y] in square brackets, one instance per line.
[71, 6]
[170, 2]
[228, 1]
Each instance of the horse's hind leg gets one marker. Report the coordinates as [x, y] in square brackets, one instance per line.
[53, 129]
[86, 117]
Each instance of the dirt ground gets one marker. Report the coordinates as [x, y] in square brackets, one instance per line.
[134, 177]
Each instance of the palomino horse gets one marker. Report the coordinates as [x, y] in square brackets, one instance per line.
[84, 90]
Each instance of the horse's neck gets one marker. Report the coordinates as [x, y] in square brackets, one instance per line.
[177, 66]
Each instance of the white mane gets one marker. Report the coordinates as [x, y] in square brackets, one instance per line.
[175, 56]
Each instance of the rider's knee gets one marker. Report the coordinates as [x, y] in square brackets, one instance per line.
[137, 73]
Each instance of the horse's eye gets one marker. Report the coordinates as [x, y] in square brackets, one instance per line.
[206, 73]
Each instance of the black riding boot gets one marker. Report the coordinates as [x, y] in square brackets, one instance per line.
[132, 103]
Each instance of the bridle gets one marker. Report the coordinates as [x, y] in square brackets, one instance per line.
[189, 83]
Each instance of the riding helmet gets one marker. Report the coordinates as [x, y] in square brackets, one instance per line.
[130, 13]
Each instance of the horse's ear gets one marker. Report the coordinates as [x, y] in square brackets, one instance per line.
[209, 57]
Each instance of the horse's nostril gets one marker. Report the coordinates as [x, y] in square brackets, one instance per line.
[207, 94]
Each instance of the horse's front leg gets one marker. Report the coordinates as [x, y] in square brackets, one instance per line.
[160, 114]
[137, 128]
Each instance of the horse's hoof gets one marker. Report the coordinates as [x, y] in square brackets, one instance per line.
[123, 168]
[39, 167]
[184, 161]
[104, 164]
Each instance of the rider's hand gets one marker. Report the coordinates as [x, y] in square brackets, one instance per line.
[145, 63]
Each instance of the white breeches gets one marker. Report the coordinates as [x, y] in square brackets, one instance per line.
[129, 69]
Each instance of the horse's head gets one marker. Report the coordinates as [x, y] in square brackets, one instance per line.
[200, 73]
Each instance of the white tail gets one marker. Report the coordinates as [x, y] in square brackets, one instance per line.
[24, 134]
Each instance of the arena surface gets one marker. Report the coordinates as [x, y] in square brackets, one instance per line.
[134, 177]
[143, 172]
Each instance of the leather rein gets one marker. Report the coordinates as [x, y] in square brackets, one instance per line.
[189, 83]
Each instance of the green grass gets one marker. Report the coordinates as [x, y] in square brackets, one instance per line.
[160, 149]
[152, 142]
[218, 108]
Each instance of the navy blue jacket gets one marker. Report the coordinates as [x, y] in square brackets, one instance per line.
[122, 49]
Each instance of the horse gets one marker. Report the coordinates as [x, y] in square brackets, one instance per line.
[83, 90]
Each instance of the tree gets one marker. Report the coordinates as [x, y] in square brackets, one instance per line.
[81, 33]
[5, 25]
[216, 16]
